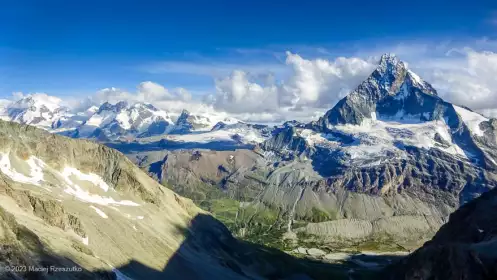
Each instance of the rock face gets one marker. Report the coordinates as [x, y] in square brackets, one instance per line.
[390, 90]
[78, 205]
[388, 163]
[464, 248]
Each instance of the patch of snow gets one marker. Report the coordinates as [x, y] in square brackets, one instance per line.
[92, 110]
[85, 240]
[114, 208]
[95, 120]
[91, 177]
[338, 256]
[415, 77]
[86, 196]
[36, 165]
[316, 139]
[97, 199]
[381, 138]
[35, 173]
[99, 212]
[471, 119]
[140, 217]
[124, 120]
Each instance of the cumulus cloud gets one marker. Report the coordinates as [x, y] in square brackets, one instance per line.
[466, 77]
[153, 91]
[238, 94]
[313, 84]
[49, 101]
[321, 83]
[310, 87]
[173, 100]
[462, 76]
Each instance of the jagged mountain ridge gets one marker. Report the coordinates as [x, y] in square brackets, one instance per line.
[121, 121]
[390, 91]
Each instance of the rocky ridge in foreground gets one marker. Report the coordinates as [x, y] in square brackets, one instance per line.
[464, 248]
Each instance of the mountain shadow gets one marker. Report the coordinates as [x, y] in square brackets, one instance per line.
[163, 144]
[209, 251]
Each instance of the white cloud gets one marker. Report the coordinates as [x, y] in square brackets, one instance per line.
[461, 75]
[313, 84]
[237, 94]
[51, 102]
[466, 77]
[309, 87]
[173, 100]
[152, 91]
[321, 83]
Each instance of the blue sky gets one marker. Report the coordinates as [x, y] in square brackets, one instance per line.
[63, 48]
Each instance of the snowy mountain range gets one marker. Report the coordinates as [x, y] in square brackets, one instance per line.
[391, 109]
[39, 110]
[390, 161]
[122, 121]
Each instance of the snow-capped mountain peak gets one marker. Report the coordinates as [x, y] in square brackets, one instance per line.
[35, 109]
[390, 63]
[391, 110]
[391, 91]
[188, 122]
[114, 121]
[113, 107]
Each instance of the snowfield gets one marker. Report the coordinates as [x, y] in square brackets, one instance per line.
[380, 138]
[71, 180]
[99, 212]
[471, 119]
[31, 172]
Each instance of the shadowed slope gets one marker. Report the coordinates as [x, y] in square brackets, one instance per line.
[464, 248]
